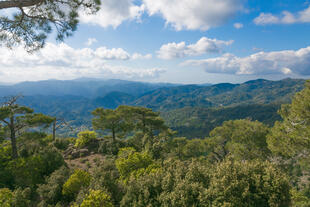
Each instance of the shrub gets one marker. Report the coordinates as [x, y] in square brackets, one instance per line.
[129, 161]
[17, 198]
[196, 183]
[97, 198]
[248, 183]
[6, 197]
[74, 184]
[30, 171]
[85, 138]
[51, 192]
[62, 143]
[110, 147]
[106, 177]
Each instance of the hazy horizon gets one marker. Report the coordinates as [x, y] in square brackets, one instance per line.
[107, 79]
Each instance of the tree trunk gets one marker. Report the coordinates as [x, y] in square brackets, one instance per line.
[113, 134]
[54, 130]
[13, 138]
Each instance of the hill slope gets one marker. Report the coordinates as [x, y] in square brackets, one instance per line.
[197, 122]
[224, 94]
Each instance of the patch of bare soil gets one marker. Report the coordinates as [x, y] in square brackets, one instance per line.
[86, 163]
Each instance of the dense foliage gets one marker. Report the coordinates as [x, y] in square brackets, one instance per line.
[144, 163]
[196, 122]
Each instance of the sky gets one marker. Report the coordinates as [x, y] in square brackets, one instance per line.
[176, 41]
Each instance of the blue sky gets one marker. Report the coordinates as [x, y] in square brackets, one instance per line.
[179, 41]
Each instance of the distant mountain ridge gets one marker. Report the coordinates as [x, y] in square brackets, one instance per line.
[158, 96]
[180, 105]
[85, 87]
[224, 94]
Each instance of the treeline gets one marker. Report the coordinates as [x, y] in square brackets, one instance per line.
[133, 159]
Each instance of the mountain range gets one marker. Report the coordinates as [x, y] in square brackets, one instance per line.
[182, 106]
[85, 87]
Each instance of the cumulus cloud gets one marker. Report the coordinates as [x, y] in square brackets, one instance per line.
[238, 25]
[262, 63]
[136, 56]
[202, 46]
[114, 13]
[64, 62]
[285, 18]
[181, 14]
[111, 54]
[194, 14]
[91, 41]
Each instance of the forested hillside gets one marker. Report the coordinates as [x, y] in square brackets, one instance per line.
[177, 104]
[197, 122]
[132, 158]
[225, 94]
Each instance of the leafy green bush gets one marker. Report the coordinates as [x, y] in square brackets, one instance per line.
[106, 176]
[6, 177]
[85, 138]
[32, 143]
[244, 139]
[299, 199]
[177, 184]
[30, 171]
[62, 143]
[97, 198]
[195, 148]
[291, 137]
[50, 193]
[6, 197]
[247, 184]
[110, 147]
[74, 184]
[17, 198]
[129, 161]
[196, 183]
[22, 197]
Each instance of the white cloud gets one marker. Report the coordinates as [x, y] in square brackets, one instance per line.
[202, 46]
[137, 56]
[304, 16]
[111, 54]
[285, 18]
[266, 18]
[64, 62]
[262, 63]
[181, 14]
[194, 14]
[113, 13]
[238, 25]
[91, 41]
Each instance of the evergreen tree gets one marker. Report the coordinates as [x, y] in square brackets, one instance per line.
[35, 19]
[18, 118]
